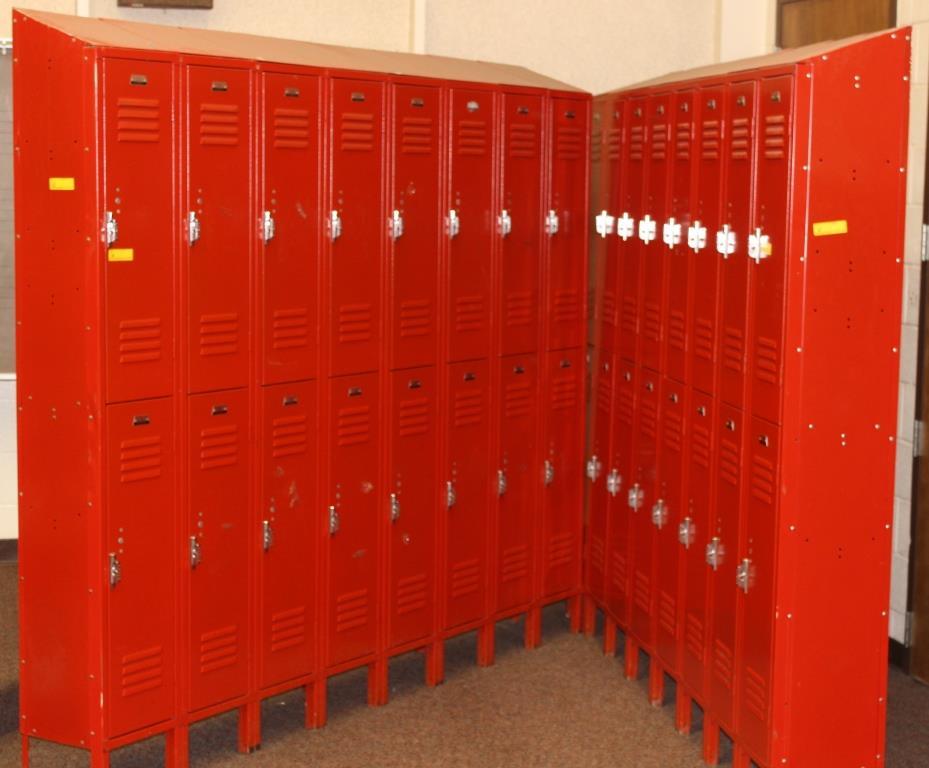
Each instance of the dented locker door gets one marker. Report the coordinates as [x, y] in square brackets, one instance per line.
[562, 472]
[518, 224]
[516, 481]
[354, 502]
[467, 492]
[218, 226]
[768, 265]
[598, 471]
[605, 242]
[566, 223]
[287, 530]
[628, 214]
[736, 214]
[411, 505]
[138, 191]
[355, 230]
[141, 557]
[413, 225]
[289, 227]
[217, 545]
[470, 223]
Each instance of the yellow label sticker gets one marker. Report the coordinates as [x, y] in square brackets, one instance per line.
[61, 183]
[823, 228]
[120, 254]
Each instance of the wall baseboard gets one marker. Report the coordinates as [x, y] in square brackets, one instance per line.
[9, 549]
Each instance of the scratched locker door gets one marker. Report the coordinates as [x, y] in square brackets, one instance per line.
[597, 473]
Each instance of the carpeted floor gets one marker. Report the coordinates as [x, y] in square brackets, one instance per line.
[563, 705]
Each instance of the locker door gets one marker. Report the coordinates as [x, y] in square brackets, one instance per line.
[414, 225]
[650, 232]
[469, 223]
[218, 543]
[666, 517]
[412, 505]
[467, 486]
[354, 228]
[516, 481]
[566, 223]
[140, 541]
[354, 503]
[288, 531]
[707, 201]
[613, 115]
[674, 237]
[694, 534]
[598, 471]
[138, 150]
[769, 264]
[289, 227]
[628, 212]
[219, 227]
[724, 541]
[562, 477]
[519, 225]
[757, 562]
[736, 213]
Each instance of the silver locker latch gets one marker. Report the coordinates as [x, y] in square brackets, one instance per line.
[504, 223]
[636, 497]
[614, 482]
[659, 513]
[715, 551]
[501, 482]
[725, 241]
[110, 228]
[267, 535]
[604, 223]
[193, 227]
[450, 497]
[648, 229]
[551, 223]
[759, 246]
[625, 226]
[116, 573]
[335, 226]
[452, 223]
[671, 232]
[743, 575]
[593, 468]
[267, 226]
[394, 508]
[686, 531]
[395, 225]
[195, 554]
[333, 520]
[549, 473]
[696, 237]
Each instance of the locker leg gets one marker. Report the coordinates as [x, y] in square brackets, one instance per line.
[590, 616]
[655, 683]
[533, 632]
[682, 711]
[485, 644]
[574, 614]
[435, 663]
[377, 683]
[99, 758]
[177, 747]
[632, 659]
[609, 637]
[740, 758]
[316, 703]
[250, 727]
[710, 740]
[25, 740]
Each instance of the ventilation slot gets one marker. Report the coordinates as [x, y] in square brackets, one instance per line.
[523, 140]
[763, 480]
[677, 324]
[741, 138]
[413, 417]
[767, 361]
[659, 142]
[667, 613]
[219, 649]
[518, 309]
[569, 143]
[756, 695]
[219, 447]
[219, 335]
[567, 307]
[356, 132]
[465, 578]
[416, 136]
[411, 594]
[288, 629]
[733, 349]
[290, 328]
[514, 564]
[564, 394]
[700, 446]
[722, 663]
[682, 141]
[139, 459]
[709, 141]
[351, 610]
[561, 550]
[642, 592]
[139, 340]
[703, 339]
[729, 462]
[614, 139]
[355, 323]
[673, 430]
[353, 426]
[648, 421]
[597, 554]
[469, 313]
[219, 125]
[472, 137]
[636, 143]
[291, 128]
[415, 318]
[138, 120]
[517, 399]
[468, 409]
[141, 671]
[775, 137]
[288, 436]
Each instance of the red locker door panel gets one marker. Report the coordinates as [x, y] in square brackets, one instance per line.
[619, 481]
[140, 541]
[467, 485]
[519, 223]
[736, 213]
[597, 472]
[356, 226]
[628, 212]
[290, 205]
[562, 475]
[218, 543]
[770, 266]
[412, 505]
[517, 479]
[355, 501]
[612, 116]
[567, 229]
[470, 223]
[415, 198]
[288, 531]
[218, 195]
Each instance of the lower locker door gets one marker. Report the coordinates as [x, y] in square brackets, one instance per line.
[517, 480]
[140, 536]
[218, 544]
[597, 470]
[287, 531]
[467, 493]
[354, 501]
[411, 505]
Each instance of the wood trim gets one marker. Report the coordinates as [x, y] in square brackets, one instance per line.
[831, 19]
[192, 4]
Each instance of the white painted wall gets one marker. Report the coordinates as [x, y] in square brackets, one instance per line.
[8, 517]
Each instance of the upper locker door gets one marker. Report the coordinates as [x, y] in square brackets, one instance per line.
[289, 227]
[139, 157]
[605, 242]
[768, 248]
[218, 226]
[628, 213]
[355, 227]
[141, 550]
[598, 470]
[414, 224]
[566, 223]
[519, 225]
[469, 223]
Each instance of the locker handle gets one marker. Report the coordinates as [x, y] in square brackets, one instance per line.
[593, 468]
[110, 228]
[549, 472]
[686, 532]
[195, 553]
[552, 223]
[115, 570]
[395, 225]
[759, 246]
[267, 535]
[141, 421]
[452, 223]
[614, 482]
[763, 440]
[671, 232]
[696, 236]
[501, 482]
[450, 496]
[335, 226]
[604, 223]
[394, 508]
[648, 229]
[659, 514]
[635, 497]
[743, 575]
[625, 226]
[714, 553]
[725, 241]
[333, 520]
[504, 223]
[267, 226]
[730, 425]
[193, 227]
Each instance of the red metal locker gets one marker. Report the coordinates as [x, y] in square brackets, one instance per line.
[138, 163]
[355, 232]
[566, 223]
[768, 248]
[141, 541]
[289, 227]
[288, 529]
[628, 213]
[413, 224]
[217, 545]
[561, 472]
[352, 517]
[469, 223]
[218, 226]
[519, 224]
[467, 492]
[610, 187]
[598, 471]
[731, 243]
[516, 481]
[411, 506]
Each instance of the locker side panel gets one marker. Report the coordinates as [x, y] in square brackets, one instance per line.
[620, 514]
[630, 210]
[599, 468]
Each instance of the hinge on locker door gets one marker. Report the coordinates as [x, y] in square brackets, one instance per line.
[614, 482]
[659, 513]
[110, 228]
[267, 226]
[714, 553]
[671, 232]
[504, 223]
[636, 497]
[194, 552]
[267, 535]
[648, 229]
[625, 226]
[743, 575]
[394, 508]
[549, 473]
[686, 532]
[604, 223]
[116, 572]
[333, 520]
[725, 241]
[551, 223]
[593, 468]
[696, 236]
[193, 227]
[450, 496]
[759, 246]
[335, 225]
[395, 225]
[501, 482]
[452, 223]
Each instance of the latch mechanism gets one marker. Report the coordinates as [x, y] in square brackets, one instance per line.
[504, 223]
[501, 482]
[743, 575]
[549, 472]
[696, 236]
[551, 223]
[686, 531]
[450, 496]
[759, 246]
[636, 497]
[193, 227]
[604, 223]
[111, 228]
[593, 468]
[725, 241]
[195, 554]
[714, 553]
[395, 225]
[625, 226]
[452, 223]
[267, 226]
[394, 508]
[267, 535]
[659, 514]
[671, 232]
[333, 520]
[614, 482]
[648, 229]
[335, 226]
[116, 573]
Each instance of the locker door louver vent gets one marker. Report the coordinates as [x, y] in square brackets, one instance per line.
[709, 141]
[519, 305]
[219, 649]
[523, 140]
[629, 320]
[416, 136]
[700, 446]
[775, 137]
[636, 142]
[667, 613]
[741, 138]
[561, 550]
[682, 141]
[468, 408]
[729, 462]
[138, 120]
[569, 142]
[767, 361]
[219, 447]
[472, 137]
[614, 139]
[625, 408]
[219, 334]
[291, 128]
[648, 421]
[219, 125]
[722, 663]
[140, 340]
[763, 487]
[756, 694]
[141, 671]
[469, 313]
[288, 629]
[651, 323]
[411, 594]
[597, 554]
[139, 459]
[609, 308]
[673, 430]
[356, 132]
[514, 564]
[596, 148]
[660, 142]
[351, 610]
[604, 397]
[733, 349]
[567, 307]
[517, 400]
[677, 323]
[290, 328]
[693, 636]
[413, 417]
[465, 578]
[353, 426]
[619, 566]
[355, 322]
[288, 436]
[703, 339]
[564, 394]
[415, 318]
[642, 591]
